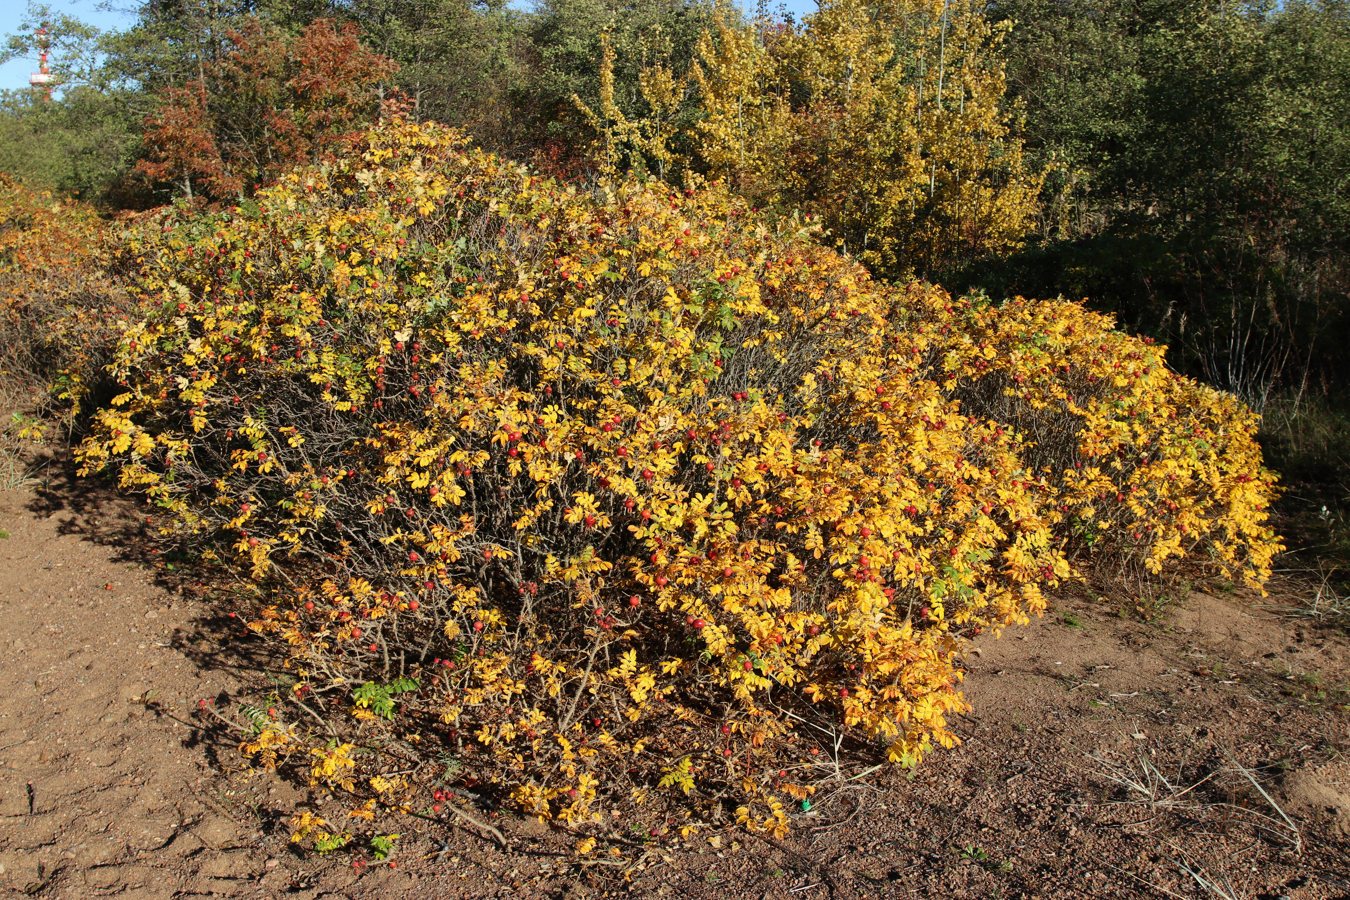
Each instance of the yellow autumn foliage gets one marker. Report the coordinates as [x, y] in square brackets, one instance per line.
[59, 308]
[885, 119]
[624, 495]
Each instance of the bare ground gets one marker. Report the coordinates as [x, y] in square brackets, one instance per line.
[1204, 755]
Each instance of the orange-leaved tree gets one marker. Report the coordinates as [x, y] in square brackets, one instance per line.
[273, 101]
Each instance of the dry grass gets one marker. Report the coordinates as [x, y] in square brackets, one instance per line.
[1139, 780]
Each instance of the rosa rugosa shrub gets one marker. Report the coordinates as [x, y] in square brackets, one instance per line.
[1147, 467]
[599, 498]
[59, 307]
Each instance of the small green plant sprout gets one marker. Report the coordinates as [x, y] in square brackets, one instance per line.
[256, 719]
[329, 842]
[382, 845]
[452, 767]
[316, 830]
[379, 698]
[679, 775]
[29, 428]
[980, 857]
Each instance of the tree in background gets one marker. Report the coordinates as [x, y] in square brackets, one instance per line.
[84, 138]
[885, 119]
[271, 101]
[460, 61]
[79, 144]
[566, 40]
[1202, 173]
[173, 42]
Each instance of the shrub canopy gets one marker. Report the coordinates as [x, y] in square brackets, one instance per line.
[623, 496]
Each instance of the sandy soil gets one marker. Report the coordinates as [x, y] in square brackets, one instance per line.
[1206, 755]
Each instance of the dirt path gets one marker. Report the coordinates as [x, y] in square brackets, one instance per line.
[103, 789]
[1104, 758]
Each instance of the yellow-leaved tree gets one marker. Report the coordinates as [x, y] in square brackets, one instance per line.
[886, 120]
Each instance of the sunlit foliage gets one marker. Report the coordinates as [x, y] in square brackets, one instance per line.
[886, 120]
[625, 499]
[60, 311]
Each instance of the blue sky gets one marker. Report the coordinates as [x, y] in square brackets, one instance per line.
[99, 13]
[115, 14]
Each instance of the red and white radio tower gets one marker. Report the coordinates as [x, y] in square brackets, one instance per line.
[42, 78]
